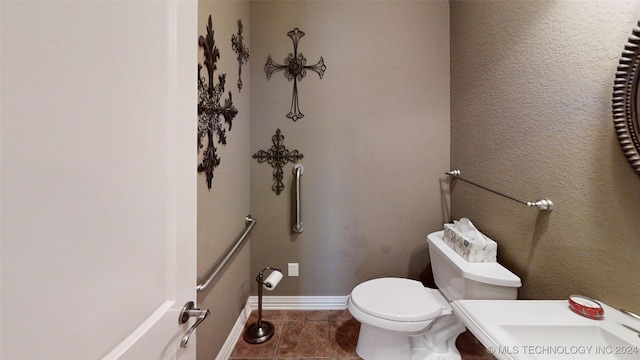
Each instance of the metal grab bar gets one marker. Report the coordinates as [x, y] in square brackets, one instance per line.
[542, 204]
[297, 171]
[249, 223]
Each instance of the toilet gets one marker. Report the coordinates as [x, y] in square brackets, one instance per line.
[402, 319]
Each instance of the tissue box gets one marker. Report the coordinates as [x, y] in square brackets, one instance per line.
[472, 251]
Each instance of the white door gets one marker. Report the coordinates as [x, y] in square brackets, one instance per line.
[98, 178]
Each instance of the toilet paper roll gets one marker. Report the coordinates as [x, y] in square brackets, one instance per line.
[272, 280]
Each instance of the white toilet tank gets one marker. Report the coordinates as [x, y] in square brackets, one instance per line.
[459, 279]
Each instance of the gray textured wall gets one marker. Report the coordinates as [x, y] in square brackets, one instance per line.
[375, 139]
[221, 210]
[530, 116]
[531, 85]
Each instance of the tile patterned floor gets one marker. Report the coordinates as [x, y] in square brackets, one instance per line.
[323, 334]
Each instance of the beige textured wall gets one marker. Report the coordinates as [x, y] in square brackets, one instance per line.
[531, 85]
[375, 139]
[221, 210]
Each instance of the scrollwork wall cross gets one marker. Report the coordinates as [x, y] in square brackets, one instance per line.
[295, 69]
[211, 113]
[278, 156]
[238, 46]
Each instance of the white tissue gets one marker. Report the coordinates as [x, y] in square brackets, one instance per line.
[463, 237]
[469, 232]
[272, 280]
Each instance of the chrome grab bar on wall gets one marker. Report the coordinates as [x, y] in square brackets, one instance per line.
[249, 223]
[542, 204]
[297, 171]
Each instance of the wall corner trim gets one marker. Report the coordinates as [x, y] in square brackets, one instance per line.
[235, 334]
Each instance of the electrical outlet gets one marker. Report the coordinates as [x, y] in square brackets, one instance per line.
[293, 269]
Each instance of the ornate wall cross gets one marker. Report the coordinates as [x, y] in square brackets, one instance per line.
[210, 112]
[295, 69]
[277, 157]
[243, 52]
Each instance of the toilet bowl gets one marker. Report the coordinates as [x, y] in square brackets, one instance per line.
[402, 319]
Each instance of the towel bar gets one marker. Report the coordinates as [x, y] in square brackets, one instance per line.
[542, 204]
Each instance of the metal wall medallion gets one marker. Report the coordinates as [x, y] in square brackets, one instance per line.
[294, 69]
[625, 100]
[278, 156]
[243, 52]
[211, 113]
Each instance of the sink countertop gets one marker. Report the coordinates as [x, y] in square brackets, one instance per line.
[548, 329]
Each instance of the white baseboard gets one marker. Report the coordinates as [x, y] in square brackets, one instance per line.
[278, 303]
[235, 334]
[300, 302]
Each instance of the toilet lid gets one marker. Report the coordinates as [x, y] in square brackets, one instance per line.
[396, 299]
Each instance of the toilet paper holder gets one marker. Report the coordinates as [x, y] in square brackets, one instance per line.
[261, 331]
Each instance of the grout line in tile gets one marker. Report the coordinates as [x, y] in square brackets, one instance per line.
[333, 355]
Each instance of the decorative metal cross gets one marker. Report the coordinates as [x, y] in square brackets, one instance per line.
[243, 52]
[210, 111]
[277, 157]
[294, 69]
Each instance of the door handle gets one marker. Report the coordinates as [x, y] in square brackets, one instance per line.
[189, 311]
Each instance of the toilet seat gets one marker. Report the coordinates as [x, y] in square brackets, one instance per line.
[397, 299]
